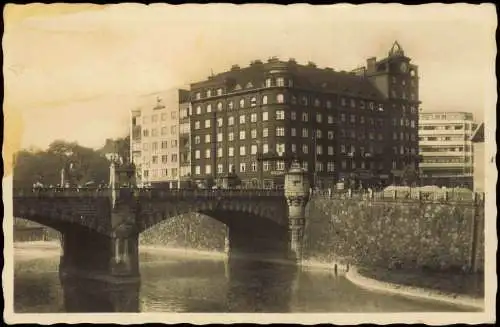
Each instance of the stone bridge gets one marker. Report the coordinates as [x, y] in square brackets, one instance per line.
[100, 227]
[104, 210]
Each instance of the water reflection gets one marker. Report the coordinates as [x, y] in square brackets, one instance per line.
[173, 282]
[255, 286]
[100, 296]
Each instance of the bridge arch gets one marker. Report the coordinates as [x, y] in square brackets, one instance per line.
[245, 232]
[228, 211]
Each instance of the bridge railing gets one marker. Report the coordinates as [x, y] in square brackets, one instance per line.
[402, 195]
[145, 192]
[61, 191]
[208, 193]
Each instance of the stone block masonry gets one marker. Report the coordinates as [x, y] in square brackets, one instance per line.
[411, 234]
[191, 230]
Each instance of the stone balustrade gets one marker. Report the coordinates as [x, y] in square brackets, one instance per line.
[147, 192]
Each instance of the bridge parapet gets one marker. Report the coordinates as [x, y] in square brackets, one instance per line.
[147, 192]
[62, 192]
[220, 193]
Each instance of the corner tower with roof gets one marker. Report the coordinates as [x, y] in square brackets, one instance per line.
[397, 78]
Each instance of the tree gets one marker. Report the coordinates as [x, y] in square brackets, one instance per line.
[81, 165]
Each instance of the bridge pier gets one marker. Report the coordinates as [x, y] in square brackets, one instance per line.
[100, 273]
[125, 253]
[297, 195]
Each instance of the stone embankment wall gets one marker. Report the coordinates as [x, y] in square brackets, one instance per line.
[408, 234]
[28, 231]
[192, 230]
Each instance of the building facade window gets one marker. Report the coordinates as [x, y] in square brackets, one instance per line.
[280, 98]
[280, 114]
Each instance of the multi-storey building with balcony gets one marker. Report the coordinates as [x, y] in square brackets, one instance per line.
[446, 148]
[155, 137]
[359, 125]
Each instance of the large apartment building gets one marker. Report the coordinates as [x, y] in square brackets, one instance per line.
[358, 125]
[155, 137]
[446, 148]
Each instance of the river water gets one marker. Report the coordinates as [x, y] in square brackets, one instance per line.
[187, 281]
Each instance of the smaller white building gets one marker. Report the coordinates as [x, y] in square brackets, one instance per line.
[154, 144]
[479, 160]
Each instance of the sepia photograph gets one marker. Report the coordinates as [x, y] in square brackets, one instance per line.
[252, 163]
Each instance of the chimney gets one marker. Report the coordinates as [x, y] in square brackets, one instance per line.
[370, 64]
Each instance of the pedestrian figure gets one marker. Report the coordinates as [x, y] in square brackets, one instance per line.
[347, 267]
[335, 269]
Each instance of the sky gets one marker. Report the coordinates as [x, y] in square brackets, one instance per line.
[73, 72]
